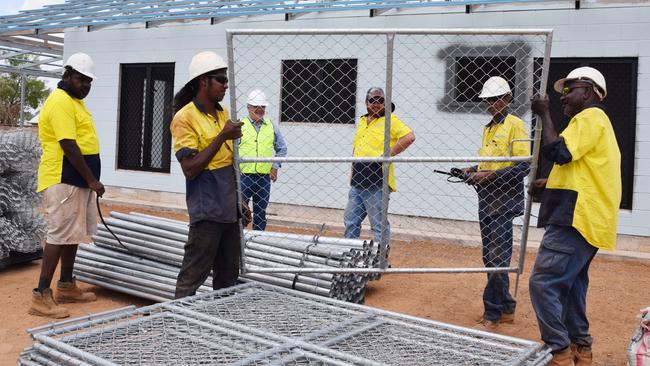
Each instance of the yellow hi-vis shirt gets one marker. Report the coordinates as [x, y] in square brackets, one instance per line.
[369, 139]
[63, 117]
[194, 130]
[594, 174]
[497, 139]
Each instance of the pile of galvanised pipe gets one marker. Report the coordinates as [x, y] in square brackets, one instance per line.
[147, 262]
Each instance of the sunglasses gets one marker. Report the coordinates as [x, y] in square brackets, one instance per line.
[492, 100]
[376, 100]
[222, 79]
[567, 89]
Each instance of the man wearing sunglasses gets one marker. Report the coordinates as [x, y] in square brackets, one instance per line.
[500, 189]
[261, 138]
[203, 143]
[366, 182]
[579, 212]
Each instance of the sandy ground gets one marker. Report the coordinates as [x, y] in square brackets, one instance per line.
[618, 290]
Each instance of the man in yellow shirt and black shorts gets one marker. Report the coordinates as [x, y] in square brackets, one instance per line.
[69, 177]
[579, 211]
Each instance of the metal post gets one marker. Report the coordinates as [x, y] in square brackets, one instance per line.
[533, 168]
[233, 116]
[385, 189]
[23, 79]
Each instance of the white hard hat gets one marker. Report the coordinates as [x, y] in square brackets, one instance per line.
[584, 73]
[495, 86]
[204, 62]
[257, 98]
[82, 63]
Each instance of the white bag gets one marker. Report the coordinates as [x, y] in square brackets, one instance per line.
[638, 353]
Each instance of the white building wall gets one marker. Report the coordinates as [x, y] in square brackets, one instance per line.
[593, 31]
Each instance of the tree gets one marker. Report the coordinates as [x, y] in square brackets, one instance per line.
[35, 93]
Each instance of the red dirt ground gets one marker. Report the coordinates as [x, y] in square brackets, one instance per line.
[618, 290]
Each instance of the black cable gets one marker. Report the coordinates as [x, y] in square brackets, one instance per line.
[101, 217]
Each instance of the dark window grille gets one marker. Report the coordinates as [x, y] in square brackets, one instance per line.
[621, 77]
[319, 91]
[144, 139]
[473, 72]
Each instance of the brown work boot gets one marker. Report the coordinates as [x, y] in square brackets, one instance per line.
[488, 325]
[508, 318]
[581, 355]
[43, 304]
[69, 292]
[562, 358]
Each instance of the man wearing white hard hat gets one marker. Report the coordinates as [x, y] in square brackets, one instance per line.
[69, 177]
[579, 211]
[203, 137]
[500, 189]
[260, 138]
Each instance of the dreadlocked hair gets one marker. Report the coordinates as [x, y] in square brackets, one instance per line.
[185, 95]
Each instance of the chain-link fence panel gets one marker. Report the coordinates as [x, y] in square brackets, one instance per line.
[440, 185]
[258, 324]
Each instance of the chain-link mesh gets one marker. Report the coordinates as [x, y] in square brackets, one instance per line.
[256, 324]
[22, 226]
[146, 93]
[334, 173]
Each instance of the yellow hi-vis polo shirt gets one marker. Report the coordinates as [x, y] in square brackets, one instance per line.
[193, 130]
[63, 117]
[497, 139]
[586, 192]
[369, 139]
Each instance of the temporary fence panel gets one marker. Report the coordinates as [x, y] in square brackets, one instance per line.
[321, 84]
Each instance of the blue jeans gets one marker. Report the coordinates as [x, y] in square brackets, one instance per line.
[558, 287]
[496, 235]
[364, 202]
[257, 187]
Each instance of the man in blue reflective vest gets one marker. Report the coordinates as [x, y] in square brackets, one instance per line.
[260, 138]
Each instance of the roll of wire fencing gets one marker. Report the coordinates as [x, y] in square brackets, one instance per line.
[146, 260]
[261, 324]
[22, 225]
[327, 92]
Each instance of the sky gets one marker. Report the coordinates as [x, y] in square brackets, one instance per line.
[8, 7]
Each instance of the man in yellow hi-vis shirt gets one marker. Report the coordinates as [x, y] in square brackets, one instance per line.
[203, 138]
[579, 212]
[366, 182]
[69, 177]
[500, 188]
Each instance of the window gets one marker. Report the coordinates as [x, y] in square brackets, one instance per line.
[472, 72]
[469, 67]
[144, 139]
[319, 91]
[620, 104]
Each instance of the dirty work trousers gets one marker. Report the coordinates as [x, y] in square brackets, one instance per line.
[210, 246]
[558, 287]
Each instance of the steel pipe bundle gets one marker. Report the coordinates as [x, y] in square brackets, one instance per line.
[147, 262]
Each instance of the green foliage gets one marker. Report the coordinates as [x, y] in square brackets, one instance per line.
[35, 94]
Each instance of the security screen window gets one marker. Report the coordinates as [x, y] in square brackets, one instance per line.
[319, 91]
[472, 72]
[144, 139]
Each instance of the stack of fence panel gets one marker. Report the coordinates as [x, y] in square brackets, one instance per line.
[22, 226]
[147, 262]
[260, 324]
